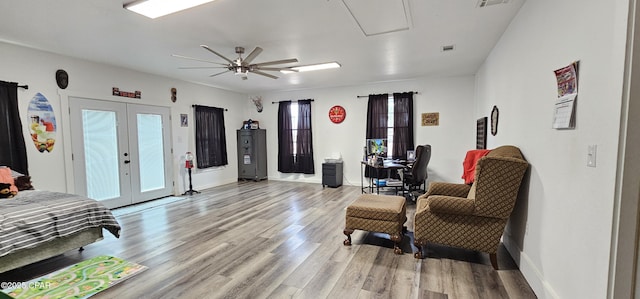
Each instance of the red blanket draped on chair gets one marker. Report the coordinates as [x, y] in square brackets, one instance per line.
[469, 164]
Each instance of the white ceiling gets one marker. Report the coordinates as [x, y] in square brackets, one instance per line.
[313, 31]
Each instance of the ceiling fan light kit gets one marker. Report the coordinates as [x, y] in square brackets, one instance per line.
[243, 66]
[158, 8]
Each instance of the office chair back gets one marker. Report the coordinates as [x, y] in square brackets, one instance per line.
[419, 169]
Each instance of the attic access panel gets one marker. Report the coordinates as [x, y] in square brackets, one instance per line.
[379, 16]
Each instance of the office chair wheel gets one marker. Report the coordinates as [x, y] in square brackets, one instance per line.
[346, 242]
[397, 250]
[418, 255]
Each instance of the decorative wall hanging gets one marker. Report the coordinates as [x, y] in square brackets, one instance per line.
[337, 114]
[184, 120]
[258, 102]
[494, 121]
[481, 133]
[174, 91]
[43, 123]
[431, 119]
[127, 94]
[62, 79]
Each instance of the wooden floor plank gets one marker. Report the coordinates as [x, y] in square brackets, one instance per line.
[275, 239]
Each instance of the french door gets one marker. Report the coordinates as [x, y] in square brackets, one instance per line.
[121, 151]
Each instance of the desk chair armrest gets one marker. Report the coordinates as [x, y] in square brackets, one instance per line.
[448, 189]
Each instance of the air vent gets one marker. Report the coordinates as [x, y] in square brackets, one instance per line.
[448, 48]
[484, 3]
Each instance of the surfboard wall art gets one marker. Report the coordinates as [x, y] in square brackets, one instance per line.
[43, 123]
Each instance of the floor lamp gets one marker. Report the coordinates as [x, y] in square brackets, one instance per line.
[188, 165]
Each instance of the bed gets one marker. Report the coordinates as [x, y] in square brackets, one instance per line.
[36, 224]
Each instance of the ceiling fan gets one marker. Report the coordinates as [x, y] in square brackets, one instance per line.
[242, 66]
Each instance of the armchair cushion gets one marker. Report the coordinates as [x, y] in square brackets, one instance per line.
[451, 205]
[448, 189]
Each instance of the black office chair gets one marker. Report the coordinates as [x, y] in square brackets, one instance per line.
[416, 175]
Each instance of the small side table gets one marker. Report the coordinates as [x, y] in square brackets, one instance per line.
[332, 174]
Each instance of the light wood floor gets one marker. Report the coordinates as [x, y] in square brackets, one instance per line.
[275, 239]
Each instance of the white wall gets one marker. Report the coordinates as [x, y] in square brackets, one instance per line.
[560, 231]
[451, 97]
[53, 171]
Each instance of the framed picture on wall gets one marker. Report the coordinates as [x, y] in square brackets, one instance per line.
[481, 133]
[184, 120]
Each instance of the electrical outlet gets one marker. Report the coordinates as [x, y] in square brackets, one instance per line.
[591, 155]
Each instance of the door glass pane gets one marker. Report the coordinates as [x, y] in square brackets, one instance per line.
[151, 152]
[99, 130]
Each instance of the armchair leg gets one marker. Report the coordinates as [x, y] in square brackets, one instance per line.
[347, 232]
[494, 260]
[396, 238]
[418, 254]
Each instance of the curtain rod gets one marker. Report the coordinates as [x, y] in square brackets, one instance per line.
[225, 109]
[311, 100]
[413, 92]
[24, 86]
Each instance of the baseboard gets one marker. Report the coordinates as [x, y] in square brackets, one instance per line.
[531, 273]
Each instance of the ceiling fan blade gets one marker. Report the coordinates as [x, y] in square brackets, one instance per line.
[196, 59]
[264, 74]
[252, 56]
[277, 62]
[202, 67]
[276, 69]
[220, 73]
[219, 55]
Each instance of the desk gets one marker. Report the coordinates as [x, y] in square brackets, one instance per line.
[387, 166]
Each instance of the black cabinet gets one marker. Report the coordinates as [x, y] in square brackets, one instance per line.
[252, 154]
[332, 174]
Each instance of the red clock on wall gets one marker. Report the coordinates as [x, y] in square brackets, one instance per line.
[337, 114]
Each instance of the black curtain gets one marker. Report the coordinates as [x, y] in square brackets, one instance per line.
[286, 160]
[211, 141]
[377, 116]
[402, 124]
[302, 160]
[13, 152]
[377, 122]
[304, 148]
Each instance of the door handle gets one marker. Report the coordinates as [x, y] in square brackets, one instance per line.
[127, 161]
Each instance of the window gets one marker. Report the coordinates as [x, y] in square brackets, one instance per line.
[293, 109]
[390, 128]
[390, 116]
[211, 141]
[295, 150]
[13, 151]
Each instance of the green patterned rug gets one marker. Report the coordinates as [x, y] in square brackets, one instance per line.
[81, 280]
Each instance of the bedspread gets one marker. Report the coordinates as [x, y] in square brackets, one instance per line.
[35, 217]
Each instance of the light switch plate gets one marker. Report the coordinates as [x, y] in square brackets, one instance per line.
[591, 155]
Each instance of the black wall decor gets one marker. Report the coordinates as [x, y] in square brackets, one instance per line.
[494, 121]
[62, 79]
[481, 133]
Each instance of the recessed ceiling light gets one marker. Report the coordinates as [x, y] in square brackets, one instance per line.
[312, 67]
[158, 8]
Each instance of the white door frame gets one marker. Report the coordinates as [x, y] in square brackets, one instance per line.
[132, 176]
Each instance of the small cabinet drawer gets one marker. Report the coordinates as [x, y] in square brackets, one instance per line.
[332, 174]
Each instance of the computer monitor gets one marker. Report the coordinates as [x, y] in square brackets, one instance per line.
[377, 147]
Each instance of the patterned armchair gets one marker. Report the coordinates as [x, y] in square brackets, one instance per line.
[472, 217]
